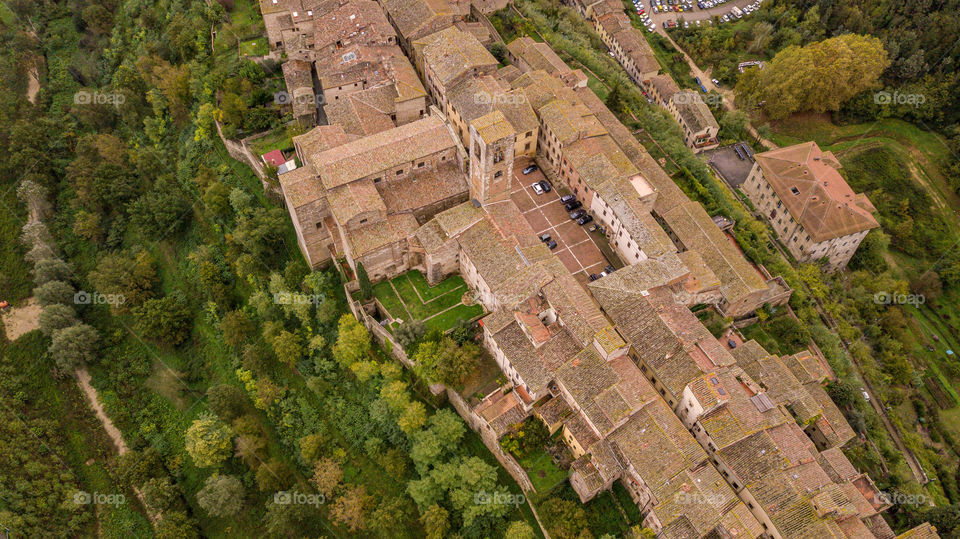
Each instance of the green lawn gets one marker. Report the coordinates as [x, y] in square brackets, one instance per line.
[543, 473]
[254, 47]
[409, 297]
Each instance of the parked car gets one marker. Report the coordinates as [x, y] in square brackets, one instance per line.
[545, 237]
[552, 245]
[536, 188]
[731, 343]
[567, 198]
[577, 214]
[545, 186]
[529, 169]
[594, 276]
[866, 396]
[585, 219]
[715, 82]
[572, 205]
[609, 269]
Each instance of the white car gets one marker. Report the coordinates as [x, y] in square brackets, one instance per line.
[715, 82]
[536, 188]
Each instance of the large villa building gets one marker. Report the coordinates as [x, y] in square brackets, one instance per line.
[815, 213]
[710, 442]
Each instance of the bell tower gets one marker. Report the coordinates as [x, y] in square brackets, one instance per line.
[492, 140]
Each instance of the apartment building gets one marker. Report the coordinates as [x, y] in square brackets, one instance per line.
[812, 209]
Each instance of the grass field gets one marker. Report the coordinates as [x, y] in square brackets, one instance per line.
[543, 473]
[409, 297]
[254, 47]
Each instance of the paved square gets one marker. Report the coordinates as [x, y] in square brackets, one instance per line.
[545, 214]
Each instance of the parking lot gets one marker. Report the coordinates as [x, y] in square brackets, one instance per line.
[546, 215]
[694, 15]
[731, 167]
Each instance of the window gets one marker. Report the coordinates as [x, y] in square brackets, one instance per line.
[319, 224]
[377, 180]
[363, 221]
[420, 164]
[399, 172]
[498, 173]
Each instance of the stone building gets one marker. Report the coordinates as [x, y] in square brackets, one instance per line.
[812, 209]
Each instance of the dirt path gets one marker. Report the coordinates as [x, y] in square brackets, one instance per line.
[83, 380]
[20, 320]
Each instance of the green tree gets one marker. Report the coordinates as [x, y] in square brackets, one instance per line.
[54, 292]
[51, 269]
[366, 288]
[408, 333]
[166, 320]
[56, 316]
[615, 101]
[74, 347]
[176, 525]
[565, 519]
[161, 494]
[435, 521]
[236, 327]
[226, 401]
[288, 347]
[818, 77]
[311, 446]
[129, 275]
[353, 341]
[221, 495]
[208, 441]
[518, 529]
[274, 475]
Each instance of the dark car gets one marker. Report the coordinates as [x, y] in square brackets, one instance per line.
[585, 219]
[545, 237]
[577, 214]
[572, 205]
[567, 198]
[530, 169]
[594, 276]
[609, 269]
[731, 343]
[552, 245]
[545, 186]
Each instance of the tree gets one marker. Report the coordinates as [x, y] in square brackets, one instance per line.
[353, 341]
[56, 316]
[208, 441]
[74, 346]
[176, 525]
[499, 51]
[435, 521]
[166, 320]
[445, 362]
[565, 519]
[226, 401]
[519, 529]
[311, 446]
[614, 99]
[408, 333]
[389, 515]
[288, 347]
[236, 327]
[53, 292]
[128, 275]
[327, 476]
[351, 508]
[289, 519]
[818, 77]
[366, 289]
[274, 475]
[221, 495]
[51, 269]
[161, 494]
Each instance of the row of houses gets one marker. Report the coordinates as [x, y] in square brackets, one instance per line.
[631, 49]
[639, 389]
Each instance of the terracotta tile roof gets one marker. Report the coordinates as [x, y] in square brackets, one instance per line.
[665, 86]
[363, 113]
[395, 228]
[382, 152]
[836, 464]
[322, 138]
[431, 236]
[459, 218]
[923, 531]
[694, 113]
[359, 20]
[298, 77]
[554, 410]
[352, 199]
[412, 16]
[580, 429]
[694, 500]
[805, 367]
[452, 53]
[833, 424]
[537, 55]
[636, 48]
[501, 411]
[697, 231]
[823, 203]
[575, 307]
[300, 186]
[493, 126]
[570, 121]
[422, 188]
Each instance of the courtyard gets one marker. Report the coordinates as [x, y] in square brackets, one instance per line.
[409, 297]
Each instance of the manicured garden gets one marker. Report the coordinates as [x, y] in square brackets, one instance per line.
[254, 47]
[409, 297]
